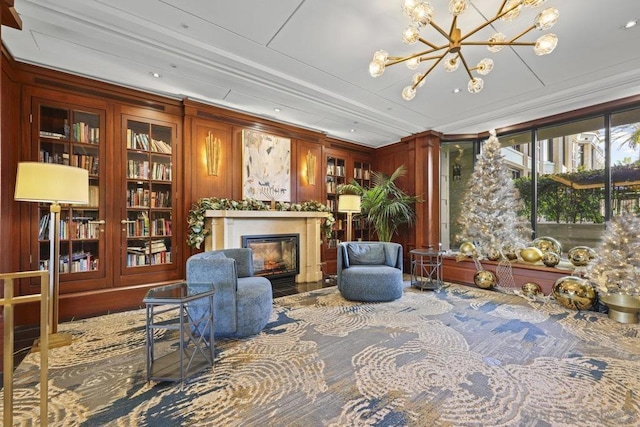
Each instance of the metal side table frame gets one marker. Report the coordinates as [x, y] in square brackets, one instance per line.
[426, 268]
[195, 335]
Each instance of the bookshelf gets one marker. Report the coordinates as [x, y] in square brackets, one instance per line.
[362, 175]
[72, 135]
[149, 193]
[336, 174]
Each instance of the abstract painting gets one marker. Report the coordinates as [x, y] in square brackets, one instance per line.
[266, 166]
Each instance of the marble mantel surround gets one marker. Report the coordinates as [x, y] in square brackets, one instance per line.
[228, 226]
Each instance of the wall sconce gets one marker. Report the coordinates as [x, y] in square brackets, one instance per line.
[311, 168]
[213, 147]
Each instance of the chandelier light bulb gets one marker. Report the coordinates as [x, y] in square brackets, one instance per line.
[545, 44]
[376, 68]
[499, 38]
[413, 63]
[451, 62]
[456, 7]
[475, 85]
[513, 14]
[533, 3]
[411, 34]
[381, 56]
[408, 93]
[547, 18]
[416, 80]
[485, 66]
[422, 13]
[408, 6]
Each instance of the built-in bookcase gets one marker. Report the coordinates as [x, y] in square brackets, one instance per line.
[72, 135]
[336, 174]
[362, 175]
[149, 194]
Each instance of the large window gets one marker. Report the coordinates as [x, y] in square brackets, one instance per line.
[456, 166]
[572, 176]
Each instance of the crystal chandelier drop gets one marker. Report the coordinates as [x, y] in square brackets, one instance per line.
[450, 53]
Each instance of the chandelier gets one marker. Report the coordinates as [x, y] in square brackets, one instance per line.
[450, 53]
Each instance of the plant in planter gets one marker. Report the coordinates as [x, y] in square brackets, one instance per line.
[615, 270]
[384, 205]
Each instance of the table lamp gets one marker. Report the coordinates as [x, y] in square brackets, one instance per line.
[349, 203]
[54, 184]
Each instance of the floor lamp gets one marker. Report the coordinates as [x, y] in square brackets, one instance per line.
[54, 184]
[349, 203]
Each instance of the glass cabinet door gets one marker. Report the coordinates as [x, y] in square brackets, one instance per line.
[149, 195]
[70, 135]
[336, 175]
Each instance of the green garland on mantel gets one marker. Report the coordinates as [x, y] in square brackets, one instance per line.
[195, 219]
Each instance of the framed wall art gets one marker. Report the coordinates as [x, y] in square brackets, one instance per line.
[266, 166]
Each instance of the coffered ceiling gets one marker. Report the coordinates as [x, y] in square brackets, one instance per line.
[310, 58]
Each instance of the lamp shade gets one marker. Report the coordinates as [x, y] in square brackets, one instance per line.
[348, 203]
[53, 183]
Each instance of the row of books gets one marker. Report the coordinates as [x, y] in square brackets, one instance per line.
[138, 227]
[360, 173]
[161, 227]
[58, 158]
[87, 162]
[79, 228]
[144, 198]
[139, 169]
[141, 141]
[337, 170]
[83, 132]
[80, 261]
[139, 260]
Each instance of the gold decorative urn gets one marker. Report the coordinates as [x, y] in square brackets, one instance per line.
[622, 308]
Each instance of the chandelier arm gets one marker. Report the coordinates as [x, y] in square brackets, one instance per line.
[509, 43]
[522, 33]
[466, 67]
[454, 22]
[393, 60]
[489, 22]
[431, 45]
[441, 31]
[426, 73]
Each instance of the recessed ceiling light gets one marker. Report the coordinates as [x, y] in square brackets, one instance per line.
[352, 130]
[154, 74]
[456, 90]
[277, 110]
[630, 24]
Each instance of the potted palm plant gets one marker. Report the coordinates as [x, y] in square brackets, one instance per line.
[384, 205]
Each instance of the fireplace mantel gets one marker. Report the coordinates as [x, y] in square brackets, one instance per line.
[228, 226]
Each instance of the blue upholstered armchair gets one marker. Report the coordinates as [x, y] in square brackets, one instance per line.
[242, 302]
[370, 271]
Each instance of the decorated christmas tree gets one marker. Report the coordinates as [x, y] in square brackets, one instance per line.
[616, 267]
[490, 206]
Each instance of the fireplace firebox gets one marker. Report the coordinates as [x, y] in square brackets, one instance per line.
[275, 256]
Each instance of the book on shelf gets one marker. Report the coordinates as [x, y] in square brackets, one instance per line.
[43, 229]
[54, 135]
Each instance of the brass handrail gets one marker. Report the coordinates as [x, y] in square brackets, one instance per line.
[8, 302]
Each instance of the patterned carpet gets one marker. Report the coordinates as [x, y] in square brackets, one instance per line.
[459, 356]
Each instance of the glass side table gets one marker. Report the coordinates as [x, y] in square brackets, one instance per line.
[195, 344]
[426, 268]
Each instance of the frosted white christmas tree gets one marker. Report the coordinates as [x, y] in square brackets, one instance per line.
[490, 206]
[616, 267]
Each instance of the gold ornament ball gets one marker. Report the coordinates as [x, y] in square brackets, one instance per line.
[510, 254]
[484, 279]
[493, 255]
[467, 248]
[574, 292]
[531, 254]
[547, 244]
[531, 289]
[581, 255]
[550, 259]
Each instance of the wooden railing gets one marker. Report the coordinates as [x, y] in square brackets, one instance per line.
[8, 301]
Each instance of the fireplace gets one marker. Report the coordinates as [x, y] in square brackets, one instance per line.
[275, 256]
